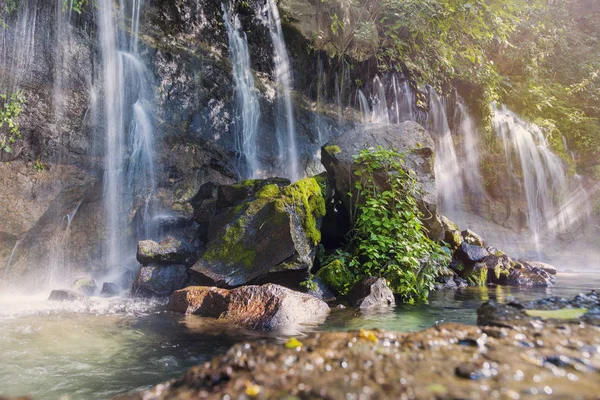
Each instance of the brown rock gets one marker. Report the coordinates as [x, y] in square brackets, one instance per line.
[266, 307]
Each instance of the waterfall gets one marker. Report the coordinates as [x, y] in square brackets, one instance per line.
[528, 154]
[447, 169]
[283, 81]
[246, 95]
[380, 110]
[470, 148]
[364, 107]
[129, 165]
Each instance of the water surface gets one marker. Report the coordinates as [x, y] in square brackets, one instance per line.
[100, 347]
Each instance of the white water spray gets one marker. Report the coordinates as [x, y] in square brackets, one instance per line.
[283, 82]
[246, 95]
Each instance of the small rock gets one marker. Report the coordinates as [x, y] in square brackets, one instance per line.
[64, 295]
[471, 253]
[543, 266]
[85, 285]
[371, 292]
[109, 289]
[168, 251]
[473, 238]
[153, 280]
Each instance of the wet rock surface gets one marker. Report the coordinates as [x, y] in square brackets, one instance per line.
[371, 292]
[449, 361]
[516, 313]
[159, 280]
[168, 251]
[64, 295]
[267, 307]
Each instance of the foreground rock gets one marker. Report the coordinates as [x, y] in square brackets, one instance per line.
[450, 361]
[408, 138]
[371, 292]
[256, 229]
[266, 307]
[582, 308]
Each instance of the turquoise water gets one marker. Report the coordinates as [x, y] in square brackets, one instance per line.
[101, 347]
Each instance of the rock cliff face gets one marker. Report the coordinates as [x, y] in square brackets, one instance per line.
[183, 43]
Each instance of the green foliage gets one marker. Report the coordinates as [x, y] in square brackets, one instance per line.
[6, 8]
[39, 166]
[10, 109]
[388, 238]
[76, 5]
[337, 275]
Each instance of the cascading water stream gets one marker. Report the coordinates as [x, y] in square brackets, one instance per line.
[129, 166]
[283, 81]
[246, 95]
[470, 148]
[541, 170]
[448, 172]
[380, 113]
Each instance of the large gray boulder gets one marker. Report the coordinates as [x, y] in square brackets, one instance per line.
[266, 307]
[256, 229]
[408, 138]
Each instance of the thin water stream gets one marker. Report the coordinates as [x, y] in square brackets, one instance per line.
[100, 347]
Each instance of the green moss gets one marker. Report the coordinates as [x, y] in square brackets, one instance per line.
[248, 183]
[307, 198]
[478, 275]
[333, 149]
[232, 249]
[338, 277]
[268, 192]
[501, 273]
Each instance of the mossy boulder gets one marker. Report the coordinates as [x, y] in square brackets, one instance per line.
[338, 277]
[274, 229]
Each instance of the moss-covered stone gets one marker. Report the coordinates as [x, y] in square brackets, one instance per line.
[307, 199]
[233, 249]
[333, 149]
[268, 192]
[478, 275]
[338, 277]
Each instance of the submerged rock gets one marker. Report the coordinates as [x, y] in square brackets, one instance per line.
[168, 251]
[449, 361]
[154, 280]
[515, 313]
[64, 295]
[371, 292]
[274, 229]
[266, 307]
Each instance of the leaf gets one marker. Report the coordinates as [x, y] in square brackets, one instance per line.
[252, 390]
[369, 335]
[293, 343]
[563, 313]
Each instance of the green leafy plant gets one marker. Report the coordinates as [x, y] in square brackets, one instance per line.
[10, 109]
[388, 238]
[76, 5]
[39, 166]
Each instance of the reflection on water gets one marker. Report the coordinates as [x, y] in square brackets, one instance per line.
[454, 305]
[96, 348]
